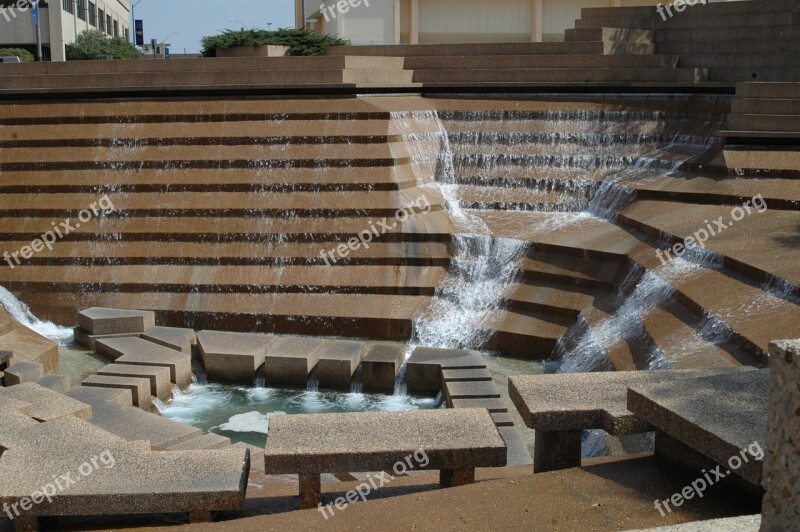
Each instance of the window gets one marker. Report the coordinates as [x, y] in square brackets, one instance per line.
[67, 5]
[101, 17]
[92, 14]
[108, 24]
[127, 35]
[116, 28]
[81, 5]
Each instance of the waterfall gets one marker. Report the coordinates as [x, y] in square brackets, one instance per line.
[20, 312]
[482, 268]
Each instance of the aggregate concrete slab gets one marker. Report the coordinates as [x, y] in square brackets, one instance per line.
[337, 361]
[471, 390]
[375, 441]
[291, 359]
[99, 320]
[745, 523]
[142, 352]
[134, 424]
[89, 341]
[159, 376]
[423, 370]
[90, 396]
[140, 481]
[582, 401]
[724, 415]
[47, 404]
[173, 337]
[54, 381]
[517, 451]
[492, 405]
[381, 365]
[139, 387]
[22, 371]
[465, 375]
[233, 357]
[203, 441]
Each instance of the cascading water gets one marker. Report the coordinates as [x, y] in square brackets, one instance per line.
[20, 312]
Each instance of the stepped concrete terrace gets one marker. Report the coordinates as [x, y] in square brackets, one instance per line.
[537, 221]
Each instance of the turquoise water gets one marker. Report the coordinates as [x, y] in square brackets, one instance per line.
[242, 413]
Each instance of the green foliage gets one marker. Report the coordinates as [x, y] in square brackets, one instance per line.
[25, 55]
[300, 42]
[94, 44]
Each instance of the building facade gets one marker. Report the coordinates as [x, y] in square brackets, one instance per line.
[448, 21]
[61, 21]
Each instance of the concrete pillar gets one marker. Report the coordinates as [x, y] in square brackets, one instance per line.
[781, 510]
[397, 21]
[556, 450]
[299, 14]
[414, 23]
[538, 20]
[57, 51]
[310, 491]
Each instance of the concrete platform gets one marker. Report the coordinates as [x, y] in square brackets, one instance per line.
[57, 383]
[233, 357]
[204, 441]
[381, 365]
[159, 376]
[141, 352]
[470, 390]
[173, 337]
[290, 360]
[465, 375]
[22, 371]
[98, 320]
[337, 362]
[423, 373]
[139, 387]
[91, 396]
[46, 404]
[726, 415]
[89, 340]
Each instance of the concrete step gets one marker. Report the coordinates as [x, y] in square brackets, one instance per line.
[483, 49]
[233, 357]
[611, 34]
[695, 17]
[565, 75]
[337, 361]
[54, 381]
[541, 61]
[757, 73]
[159, 377]
[46, 404]
[736, 47]
[768, 90]
[143, 353]
[715, 9]
[21, 372]
[204, 441]
[134, 424]
[179, 339]
[380, 366]
[139, 387]
[767, 62]
[290, 360]
[780, 35]
[758, 106]
[758, 122]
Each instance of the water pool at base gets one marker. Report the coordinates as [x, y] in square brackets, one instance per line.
[242, 413]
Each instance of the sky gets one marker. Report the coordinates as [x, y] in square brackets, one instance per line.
[198, 18]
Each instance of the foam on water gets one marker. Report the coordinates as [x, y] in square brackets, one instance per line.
[20, 312]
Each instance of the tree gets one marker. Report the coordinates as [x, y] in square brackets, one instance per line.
[25, 55]
[300, 42]
[94, 44]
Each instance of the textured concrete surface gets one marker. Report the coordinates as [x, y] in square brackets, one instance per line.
[374, 441]
[337, 361]
[159, 376]
[139, 387]
[781, 508]
[47, 404]
[57, 383]
[20, 372]
[423, 369]
[470, 390]
[747, 523]
[98, 320]
[381, 365]
[137, 351]
[176, 338]
[723, 417]
[233, 357]
[290, 360]
[92, 395]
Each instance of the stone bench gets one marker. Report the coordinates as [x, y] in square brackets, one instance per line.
[559, 407]
[455, 442]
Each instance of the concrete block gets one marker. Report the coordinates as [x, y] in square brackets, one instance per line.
[139, 387]
[137, 351]
[21, 372]
[175, 338]
[465, 375]
[337, 361]
[470, 390]
[423, 372]
[233, 357]
[45, 404]
[89, 340]
[381, 365]
[57, 383]
[98, 320]
[159, 376]
[290, 360]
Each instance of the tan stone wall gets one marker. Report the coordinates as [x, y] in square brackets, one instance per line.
[781, 509]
